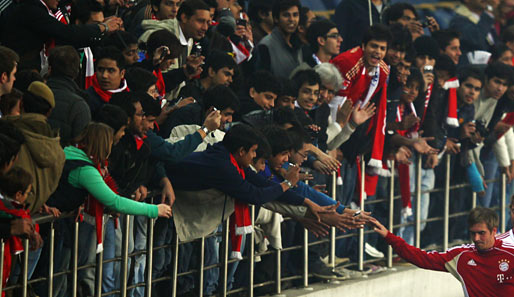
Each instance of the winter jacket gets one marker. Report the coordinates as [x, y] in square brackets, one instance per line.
[71, 113]
[41, 155]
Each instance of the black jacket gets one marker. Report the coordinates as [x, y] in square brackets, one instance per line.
[71, 113]
[29, 26]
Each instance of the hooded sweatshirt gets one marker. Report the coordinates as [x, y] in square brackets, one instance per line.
[41, 155]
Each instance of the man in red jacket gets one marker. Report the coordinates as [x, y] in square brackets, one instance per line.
[483, 267]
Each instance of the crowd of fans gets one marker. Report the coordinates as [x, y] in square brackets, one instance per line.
[190, 111]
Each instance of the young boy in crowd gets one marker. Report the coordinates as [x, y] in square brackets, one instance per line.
[15, 186]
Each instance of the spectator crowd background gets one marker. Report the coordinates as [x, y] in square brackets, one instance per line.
[189, 111]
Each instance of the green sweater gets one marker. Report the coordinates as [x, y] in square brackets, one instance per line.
[88, 178]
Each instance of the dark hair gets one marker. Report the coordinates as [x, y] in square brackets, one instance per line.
[256, 6]
[166, 38]
[81, 10]
[8, 59]
[444, 37]
[318, 29]
[285, 115]
[139, 79]
[410, 54]
[189, 8]
[377, 32]
[308, 76]
[499, 70]
[126, 101]
[35, 104]
[217, 60]
[221, 97]
[7, 128]
[402, 39]
[219, 41]
[278, 139]
[112, 115]
[287, 87]
[395, 12]
[497, 51]
[445, 63]
[25, 77]
[304, 10]
[264, 81]
[14, 181]
[298, 137]
[151, 107]
[8, 101]
[508, 34]
[120, 40]
[483, 215]
[111, 53]
[9, 148]
[282, 5]
[263, 149]
[416, 76]
[472, 71]
[241, 136]
[64, 60]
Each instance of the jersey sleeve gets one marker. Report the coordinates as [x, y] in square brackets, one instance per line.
[427, 260]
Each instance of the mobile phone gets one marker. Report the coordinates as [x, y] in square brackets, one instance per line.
[428, 69]
[425, 23]
[197, 50]
[241, 22]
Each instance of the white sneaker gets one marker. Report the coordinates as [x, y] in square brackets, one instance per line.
[372, 251]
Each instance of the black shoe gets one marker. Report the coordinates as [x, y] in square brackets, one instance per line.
[326, 273]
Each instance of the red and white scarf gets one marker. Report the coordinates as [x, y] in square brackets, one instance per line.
[90, 67]
[452, 85]
[96, 209]
[106, 95]
[240, 220]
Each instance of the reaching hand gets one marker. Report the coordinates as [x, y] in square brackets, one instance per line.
[409, 121]
[319, 229]
[362, 114]
[293, 174]
[344, 112]
[403, 155]
[213, 120]
[22, 227]
[321, 167]
[51, 210]
[422, 147]
[316, 210]
[329, 161]
[164, 211]
[379, 228]
[452, 146]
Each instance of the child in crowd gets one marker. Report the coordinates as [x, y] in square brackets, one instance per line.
[15, 186]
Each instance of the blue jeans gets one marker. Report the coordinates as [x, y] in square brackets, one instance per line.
[427, 183]
[111, 270]
[490, 165]
[86, 256]
[140, 224]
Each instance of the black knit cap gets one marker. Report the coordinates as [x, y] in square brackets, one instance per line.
[426, 45]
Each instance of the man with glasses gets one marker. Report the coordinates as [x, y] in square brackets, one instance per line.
[325, 42]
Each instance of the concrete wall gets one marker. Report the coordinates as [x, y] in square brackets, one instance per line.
[405, 281]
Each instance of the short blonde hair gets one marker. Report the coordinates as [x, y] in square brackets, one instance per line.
[96, 141]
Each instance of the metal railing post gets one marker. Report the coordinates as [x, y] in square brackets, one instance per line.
[74, 276]
[174, 275]
[305, 258]
[362, 196]
[473, 200]
[332, 259]
[503, 203]
[391, 215]
[2, 250]
[418, 202]
[124, 256]
[201, 268]
[149, 256]
[279, 272]
[99, 271]
[446, 214]
[224, 267]
[25, 268]
[51, 248]
[251, 251]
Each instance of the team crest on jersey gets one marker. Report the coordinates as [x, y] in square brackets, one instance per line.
[346, 84]
[503, 265]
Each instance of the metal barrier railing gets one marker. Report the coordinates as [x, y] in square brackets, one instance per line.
[224, 260]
